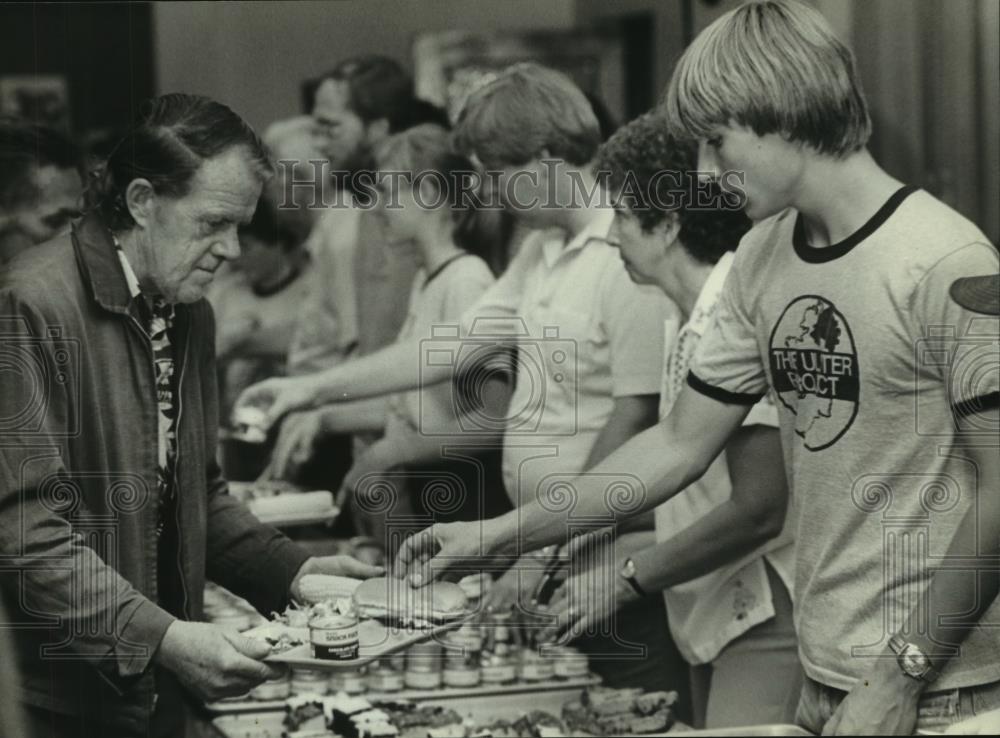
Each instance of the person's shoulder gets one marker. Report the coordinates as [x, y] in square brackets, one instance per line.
[930, 230]
[42, 274]
[929, 242]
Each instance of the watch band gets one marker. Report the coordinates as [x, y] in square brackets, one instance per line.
[628, 572]
[912, 660]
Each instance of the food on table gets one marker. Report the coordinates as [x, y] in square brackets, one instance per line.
[385, 675]
[607, 711]
[351, 681]
[334, 636]
[308, 682]
[423, 721]
[389, 598]
[568, 662]
[304, 713]
[291, 505]
[463, 654]
[317, 588]
[536, 724]
[423, 666]
[608, 701]
[272, 690]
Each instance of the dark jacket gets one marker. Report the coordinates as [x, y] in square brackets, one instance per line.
[78, 461]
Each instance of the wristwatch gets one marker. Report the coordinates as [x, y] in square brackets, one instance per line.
[628, 572]
[912, 660]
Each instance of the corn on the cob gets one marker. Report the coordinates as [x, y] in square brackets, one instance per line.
[316, 588]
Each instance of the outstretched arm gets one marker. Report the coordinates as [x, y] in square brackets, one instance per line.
[649, 469]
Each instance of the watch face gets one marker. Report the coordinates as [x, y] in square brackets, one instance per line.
[913, 661]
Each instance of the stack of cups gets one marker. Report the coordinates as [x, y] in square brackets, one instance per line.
[386, 675]
[308, 681]
[463, 650]
[353, 681]
[423, 666]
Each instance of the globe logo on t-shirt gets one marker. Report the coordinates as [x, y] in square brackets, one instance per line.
[814, 368]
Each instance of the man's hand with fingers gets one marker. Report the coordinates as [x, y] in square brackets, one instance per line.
[515, 586]
[586, 600]
[595, 589]
[278, 396]
[296, 444]
[214, 663]
[430, 553]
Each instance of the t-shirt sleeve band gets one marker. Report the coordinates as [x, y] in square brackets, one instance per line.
[990, 401]
[717, 393]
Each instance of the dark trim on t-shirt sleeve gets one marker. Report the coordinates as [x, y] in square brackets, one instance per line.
[722, 395]
[965, 408]
[826, 254]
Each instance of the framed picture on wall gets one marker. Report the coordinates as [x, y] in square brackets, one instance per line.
[447, 65]
[42, 99]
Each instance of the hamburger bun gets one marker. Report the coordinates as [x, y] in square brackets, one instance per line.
[392, 598]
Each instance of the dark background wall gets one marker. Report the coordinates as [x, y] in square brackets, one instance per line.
[931, 68]
[104, 50]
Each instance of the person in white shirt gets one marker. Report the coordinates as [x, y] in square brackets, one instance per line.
[589, 341]
[415, 211]
[723, 557]
[837, 303]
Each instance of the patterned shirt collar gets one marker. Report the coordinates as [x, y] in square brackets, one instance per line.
[130, 278]
[157, 304]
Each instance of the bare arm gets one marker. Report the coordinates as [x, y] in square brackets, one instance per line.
[395, 368]
[354, 416]
[753, 515]
[657, 463]
[631, 415]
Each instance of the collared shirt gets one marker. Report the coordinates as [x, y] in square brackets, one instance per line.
[585, 334]
[157, 320]
[708, 612]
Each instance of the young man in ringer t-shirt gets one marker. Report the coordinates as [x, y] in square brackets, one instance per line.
[724, 557]
[838, 302]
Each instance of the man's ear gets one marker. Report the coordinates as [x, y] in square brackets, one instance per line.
[671, 230]
[377, 131]
[140, 199]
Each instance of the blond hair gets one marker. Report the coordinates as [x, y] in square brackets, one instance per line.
[774, 66]
[528, 109]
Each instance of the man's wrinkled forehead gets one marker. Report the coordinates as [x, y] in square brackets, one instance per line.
[230, 181]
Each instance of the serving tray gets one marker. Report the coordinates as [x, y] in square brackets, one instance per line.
[376, 640]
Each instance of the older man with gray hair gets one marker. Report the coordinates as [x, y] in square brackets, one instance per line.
[113, 510]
